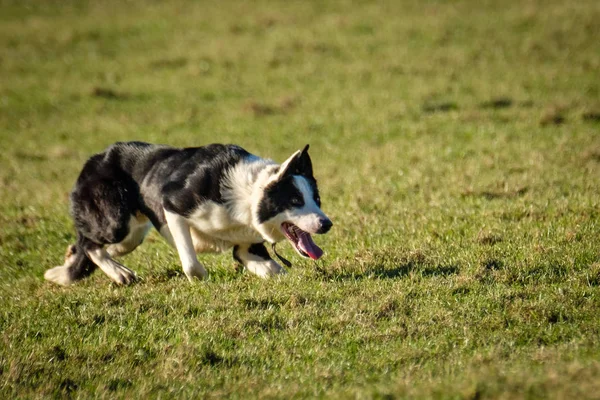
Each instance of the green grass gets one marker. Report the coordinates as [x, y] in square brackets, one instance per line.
[457, 148]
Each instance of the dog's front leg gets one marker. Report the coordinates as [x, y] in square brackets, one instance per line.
[257, 260]
[182, 239]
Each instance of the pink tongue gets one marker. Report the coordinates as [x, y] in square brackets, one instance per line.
[306, 244]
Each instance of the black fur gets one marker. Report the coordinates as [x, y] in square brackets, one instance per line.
[257, 249]
[302, 165]
[196, 176]
[260, 250]
[313, 184]
[82, 266]
[279, 196]
[103, 200]
[283, 194]
[305, 169]
[121, 181]
[133, 177]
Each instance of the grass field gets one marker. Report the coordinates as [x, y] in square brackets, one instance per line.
[457, 148]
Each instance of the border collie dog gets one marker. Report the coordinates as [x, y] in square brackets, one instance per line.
[201, 199]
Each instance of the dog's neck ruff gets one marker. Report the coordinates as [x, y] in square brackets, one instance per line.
[244, 189]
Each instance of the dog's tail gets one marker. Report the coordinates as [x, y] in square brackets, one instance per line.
[77, 265]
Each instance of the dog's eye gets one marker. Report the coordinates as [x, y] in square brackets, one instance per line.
[296, 201]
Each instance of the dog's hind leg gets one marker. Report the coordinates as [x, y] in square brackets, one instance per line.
[105, 206]
[257, 260]
[77, 266]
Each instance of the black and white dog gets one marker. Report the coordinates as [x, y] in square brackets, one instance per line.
[202, 199]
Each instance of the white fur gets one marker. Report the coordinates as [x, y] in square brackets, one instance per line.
[308, 216]
[179, 231]
[242, 189]
[60, 274]
[115, 271]
[285, 165]
[218, 227]
[258, 265]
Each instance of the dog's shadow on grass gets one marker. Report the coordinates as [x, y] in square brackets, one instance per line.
[395, 269]
[381, 272]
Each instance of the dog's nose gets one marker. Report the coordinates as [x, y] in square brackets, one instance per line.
[326, 225]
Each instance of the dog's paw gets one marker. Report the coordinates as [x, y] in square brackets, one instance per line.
[265, 269]
[59, 275]
[196, 271]
[123, 275]
[276, 269]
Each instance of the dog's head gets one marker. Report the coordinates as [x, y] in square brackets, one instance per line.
[290, 206]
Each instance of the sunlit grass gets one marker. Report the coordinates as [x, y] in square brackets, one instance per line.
[457, 151]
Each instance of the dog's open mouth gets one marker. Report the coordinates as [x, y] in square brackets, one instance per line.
[302, 241]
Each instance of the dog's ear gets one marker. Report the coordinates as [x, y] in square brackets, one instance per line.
[304, 164]
[298, 164]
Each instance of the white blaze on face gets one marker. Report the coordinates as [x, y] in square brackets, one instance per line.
[301, 217]
[308, 216]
